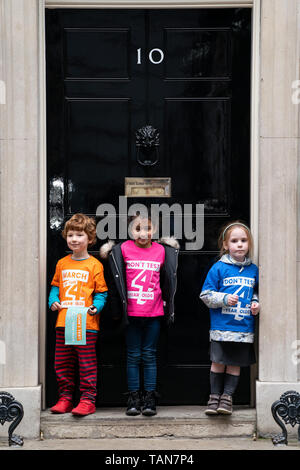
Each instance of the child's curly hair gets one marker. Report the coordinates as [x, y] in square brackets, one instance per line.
[81, 223]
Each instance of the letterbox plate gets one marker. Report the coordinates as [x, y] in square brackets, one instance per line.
[147, 187]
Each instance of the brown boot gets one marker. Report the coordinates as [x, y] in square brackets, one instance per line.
[212, 405]
[225, 405]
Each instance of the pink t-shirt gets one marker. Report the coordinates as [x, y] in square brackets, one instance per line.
[143, 278]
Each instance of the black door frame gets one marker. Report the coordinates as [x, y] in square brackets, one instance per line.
[254, 140]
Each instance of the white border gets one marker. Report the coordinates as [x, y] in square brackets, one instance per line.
[42, 196]
[254, 130]
[254, 159]
[254, 145]
[148, 3]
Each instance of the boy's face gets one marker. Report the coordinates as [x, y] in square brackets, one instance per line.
[142, 232]
[77, 241]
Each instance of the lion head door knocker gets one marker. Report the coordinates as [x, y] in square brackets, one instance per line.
[147, 145]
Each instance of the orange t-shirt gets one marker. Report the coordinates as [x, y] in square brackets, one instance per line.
[77, 281]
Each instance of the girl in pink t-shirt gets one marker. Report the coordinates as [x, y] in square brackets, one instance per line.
[144, 280]
[143, 260]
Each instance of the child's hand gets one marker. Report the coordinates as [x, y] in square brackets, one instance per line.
[56, 306]
[255, 307]
[92, 310]
[232, 299]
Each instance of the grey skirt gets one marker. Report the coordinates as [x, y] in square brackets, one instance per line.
[232, 353]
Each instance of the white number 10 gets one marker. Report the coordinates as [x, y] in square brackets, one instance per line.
[159, 51]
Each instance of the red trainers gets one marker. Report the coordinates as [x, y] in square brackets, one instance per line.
[62, 406]
[85, 407]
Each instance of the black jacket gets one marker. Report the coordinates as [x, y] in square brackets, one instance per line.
[117, 292]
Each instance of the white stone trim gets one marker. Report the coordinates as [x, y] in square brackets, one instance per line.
[278, 191]
[148, 3]
[254, 144]
[267, 394]
[19, 232]
[42, 195]
[30, 399]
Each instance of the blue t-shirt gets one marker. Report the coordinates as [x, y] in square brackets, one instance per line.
[232, 279]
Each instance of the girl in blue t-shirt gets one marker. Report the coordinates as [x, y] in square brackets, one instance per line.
[230, 292]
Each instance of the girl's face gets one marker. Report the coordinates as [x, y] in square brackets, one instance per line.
[78, 242]
[142, 232]
[237, 243]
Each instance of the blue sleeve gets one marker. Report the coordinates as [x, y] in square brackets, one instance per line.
[211, 282]
[210, 294]
[53, 296]
[99, 300]
[255, 289]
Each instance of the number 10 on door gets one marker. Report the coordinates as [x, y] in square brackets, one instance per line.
[156, 56]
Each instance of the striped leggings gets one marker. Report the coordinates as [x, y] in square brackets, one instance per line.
[65, 362]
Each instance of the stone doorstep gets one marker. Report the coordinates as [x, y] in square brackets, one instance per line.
[171, 421]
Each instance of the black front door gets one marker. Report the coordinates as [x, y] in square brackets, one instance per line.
[187, 74]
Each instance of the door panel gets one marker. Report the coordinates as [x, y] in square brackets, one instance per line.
[187, 73]
[202, 150]
[195, 53]
[96, 120]
[112, 58]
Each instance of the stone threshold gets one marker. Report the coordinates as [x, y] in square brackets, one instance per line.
[170, 421]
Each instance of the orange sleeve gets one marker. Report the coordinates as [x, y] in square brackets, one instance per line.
[56, 277]
[99, 281]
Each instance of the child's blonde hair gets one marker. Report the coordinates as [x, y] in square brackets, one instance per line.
[81, 223]
[226, 231]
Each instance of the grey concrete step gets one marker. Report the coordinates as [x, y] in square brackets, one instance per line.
[170, 421]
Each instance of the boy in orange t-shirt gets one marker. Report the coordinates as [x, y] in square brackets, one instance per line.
[78, 282]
